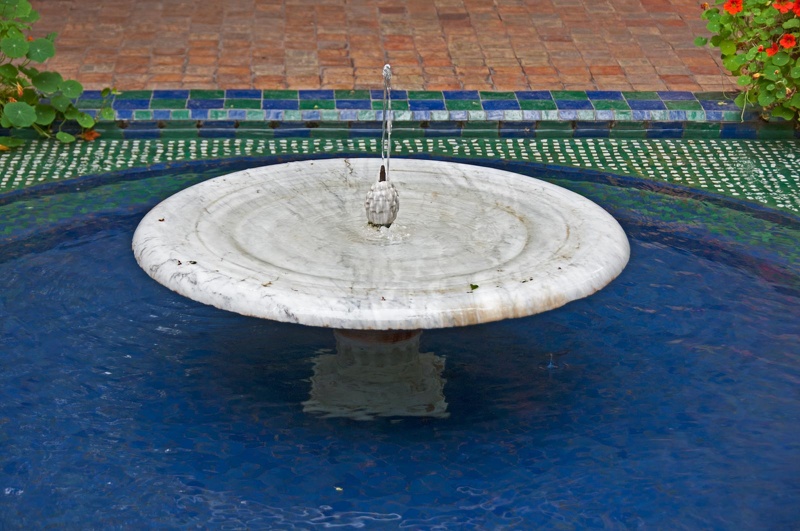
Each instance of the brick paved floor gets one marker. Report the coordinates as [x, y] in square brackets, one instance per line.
[431, 44]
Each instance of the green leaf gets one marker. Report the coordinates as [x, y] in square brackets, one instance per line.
[740, 99]
[10, 141]
[765, 99]
[71, 113]
[65, 137]
[700, 41]
[41, 50]
[60, 102]
[107, 113]
[47, 82]
[795, 72]
[744, 80]
[473, 287]
[28, 71]
[45, 114]
[781, 58]
[29, 96]
[8, 71]
[14, 47]
[20, 114]
[23, 9]
[85, 121]
[727, 47]
[782, 112]
[713, 26]
[795, 101]
[71, 89]
[792, 23]
[4, 122]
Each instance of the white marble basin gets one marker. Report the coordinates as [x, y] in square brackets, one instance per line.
[290, 242]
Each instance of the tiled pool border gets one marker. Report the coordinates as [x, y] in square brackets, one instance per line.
[466, 113]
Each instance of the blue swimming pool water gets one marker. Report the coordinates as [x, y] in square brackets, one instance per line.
[674, 401]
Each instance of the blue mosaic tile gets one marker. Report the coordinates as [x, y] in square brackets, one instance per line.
[461, 95]
[574, 105]
[646, 105]
[237, 114]
[534, 95]
[719, 105]
[665, 130]
[426, 105]
[350, 115]
[273, 115]
[495, 115]
[604, 115]
[459, 115]
[640, 115]
[676, 95]
[377, 95]
[500, 105]
[604, 95]
[199, 114]
[315, 94]
[124, 114]
[162, 114]
[280, 104]
[172, 94]
[738, 130]
[243, 94]
[421, 115]
[677, 115]
[204, 104]
[310, 115]
[353, 104]
[119, 105]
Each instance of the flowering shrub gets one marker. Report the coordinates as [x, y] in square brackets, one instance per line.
[758, 42]
[29, 97]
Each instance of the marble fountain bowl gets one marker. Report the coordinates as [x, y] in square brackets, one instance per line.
[470, 245]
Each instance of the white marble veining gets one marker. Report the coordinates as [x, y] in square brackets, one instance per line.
[289, 242]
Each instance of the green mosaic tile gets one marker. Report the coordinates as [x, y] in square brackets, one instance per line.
[242, 104]
[180, 124]
[438, 116]
[135, 95]
[781, 130]
[550, 116]
[628, 130]
[732, 116]
[585, 115]
[554, 129]
[514, 116]
[329, 115]
[280, 95]
[486, 95]
[659, 116]
[142, 115]
[329, 133]
[403, 115]
[369, 116]
[255, 134]
[292, 116]
[696, 116]
[397, 105]
[610, 105]
[463, 105]
[641, 95]
[351, 94]
[476, 115]
[306, 105]
[424, 95]
[572, 95]
[181, 114]
[537, 105]
[701, 130]
[683, 105]
[623, 116]
[167, 104]
[253, 124]
[255, 115]
[217, 114]
[180, 133]
[88, 104]
[207, 94]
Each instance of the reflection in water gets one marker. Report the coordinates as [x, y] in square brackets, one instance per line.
[377, 374]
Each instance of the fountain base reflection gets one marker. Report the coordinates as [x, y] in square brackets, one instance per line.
[377, 374]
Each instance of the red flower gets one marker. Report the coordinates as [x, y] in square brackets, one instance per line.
[772, 50]
[784, 6]
[796, 8]
[788, 41]
[760, 48]
[733, 6]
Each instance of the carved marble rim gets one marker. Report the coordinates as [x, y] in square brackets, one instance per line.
[536, 246]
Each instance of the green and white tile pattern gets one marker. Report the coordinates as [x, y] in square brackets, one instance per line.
[764, 172]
